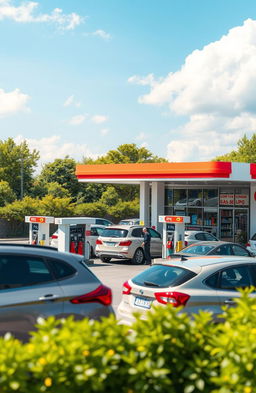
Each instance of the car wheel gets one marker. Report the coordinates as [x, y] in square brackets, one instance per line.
[138, 257]
[105, 259]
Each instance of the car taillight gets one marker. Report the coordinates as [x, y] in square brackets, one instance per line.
[248, 244]
[126, 288]
[125, 243]
[54, 236]
[175, 298]
[98, 241]
[102, 295]
[185, 243]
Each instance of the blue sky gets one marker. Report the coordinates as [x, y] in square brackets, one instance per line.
[81, 77]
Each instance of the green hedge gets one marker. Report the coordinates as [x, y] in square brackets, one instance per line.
[168, 352]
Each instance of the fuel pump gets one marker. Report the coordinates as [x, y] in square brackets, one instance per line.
[72, 234]
[173, 235]
[39, 228]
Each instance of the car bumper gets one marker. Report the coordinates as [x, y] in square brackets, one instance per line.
[112, 255]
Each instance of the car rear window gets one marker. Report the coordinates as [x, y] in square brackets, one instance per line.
[114, 232]
[161, 276]
[254, 237]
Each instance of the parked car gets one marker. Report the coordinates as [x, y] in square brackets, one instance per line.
[215, 248]
[191, 237]
[251, 244]
[204, 283]
[130, 221]
[91, 237]
[125, 242]
[38, 281]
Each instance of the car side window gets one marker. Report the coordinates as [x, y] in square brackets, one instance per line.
[225, 249]
[199, 236]
[235, 277]
[212, 281]
[137, 232]
[18, 271]
[154, 233]
[209, 236]
[238, 250]
[61, 269]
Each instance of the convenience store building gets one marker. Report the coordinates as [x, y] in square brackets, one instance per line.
[219, 197]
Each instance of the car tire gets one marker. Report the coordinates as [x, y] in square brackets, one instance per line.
[138, 257]
[105, 259]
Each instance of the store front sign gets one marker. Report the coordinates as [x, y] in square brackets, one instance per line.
[227, 199]
[242, 200]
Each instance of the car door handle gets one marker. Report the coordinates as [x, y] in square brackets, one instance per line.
[49, 297]
[229, 301]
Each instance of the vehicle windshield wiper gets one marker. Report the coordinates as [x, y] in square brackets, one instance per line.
[153, 284]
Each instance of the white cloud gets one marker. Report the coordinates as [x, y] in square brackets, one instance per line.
[99, 119]
[53, 147]
[71, 101]
[26, 13]
[12, 102]
[77, 120]
[216, 89]
[142, 136]
[102, 34]
[104, 131]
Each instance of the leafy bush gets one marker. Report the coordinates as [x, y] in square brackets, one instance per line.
[168, 352]
[96, 209]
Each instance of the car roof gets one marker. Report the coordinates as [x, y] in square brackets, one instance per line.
[198, 262]
[119, 226]
[212, 243]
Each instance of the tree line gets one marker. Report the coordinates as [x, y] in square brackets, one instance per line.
[55, 191]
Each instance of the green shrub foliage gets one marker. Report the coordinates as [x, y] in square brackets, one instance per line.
[167, 352]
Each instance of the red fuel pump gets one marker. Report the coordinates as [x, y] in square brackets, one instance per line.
[77, 239]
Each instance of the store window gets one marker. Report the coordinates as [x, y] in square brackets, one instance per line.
[211, 197]
[180, 198]
[196, 216]
[168, 197]
[195, 197]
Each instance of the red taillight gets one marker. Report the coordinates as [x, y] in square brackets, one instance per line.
[54, 236]
[102, 295]
[248, 244]
[98, 241]
[185, 243]
[125, 243]
[126, 288]
[175, 298]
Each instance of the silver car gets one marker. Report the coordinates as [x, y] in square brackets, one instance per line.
[191, 237]
[38, 282]
[204, 283]
[125, 242]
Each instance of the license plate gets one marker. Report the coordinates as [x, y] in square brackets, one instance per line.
[109, 243]
[142, 302]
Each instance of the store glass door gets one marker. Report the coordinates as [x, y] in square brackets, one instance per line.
[226, 225]
[241, 225]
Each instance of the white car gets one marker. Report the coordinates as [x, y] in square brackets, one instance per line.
[130, 221]
[251, 245]
[91, 237]
[200, 283]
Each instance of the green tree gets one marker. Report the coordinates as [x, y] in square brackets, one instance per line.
[17, 165]
[110, 197]
[57, 191]
[124, 154]
[246, 151]
[61, 171]
[7, 195]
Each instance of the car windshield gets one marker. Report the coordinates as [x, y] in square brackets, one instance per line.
[254, 237]
[162, 276]
[198, 249]
[114, 232]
